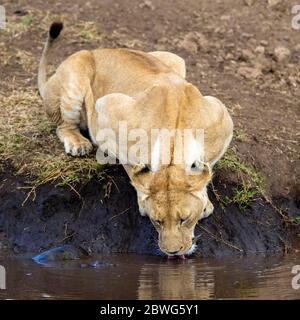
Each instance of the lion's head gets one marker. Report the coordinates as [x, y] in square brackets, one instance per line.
[174, 200]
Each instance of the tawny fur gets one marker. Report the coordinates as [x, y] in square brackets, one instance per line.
[148, 90]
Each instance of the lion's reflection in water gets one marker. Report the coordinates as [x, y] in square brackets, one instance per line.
[175, 280]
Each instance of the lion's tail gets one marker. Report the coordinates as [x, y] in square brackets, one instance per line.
[53, 33]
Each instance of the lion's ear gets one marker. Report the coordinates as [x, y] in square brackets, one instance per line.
[141, 177]
[197, 181]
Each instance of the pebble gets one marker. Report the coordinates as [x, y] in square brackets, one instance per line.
[272, 3]
[260, 50]
[249, 3]
[61, 253]
[194, 41]
[249, 72]
[190, 46]
[247, 55]
[264, 43]
[281, 53]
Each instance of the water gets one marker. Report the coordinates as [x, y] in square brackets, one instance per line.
[145, 277]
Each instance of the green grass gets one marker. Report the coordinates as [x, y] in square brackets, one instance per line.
[250, 188]
[87, 31]
[244, 196]
[245, 171]
[241, 135]
[251, 185]
[28, 142]
[27, 20]
[224, 201]
[296, 220]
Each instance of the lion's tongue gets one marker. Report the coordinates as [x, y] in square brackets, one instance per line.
[182, 257]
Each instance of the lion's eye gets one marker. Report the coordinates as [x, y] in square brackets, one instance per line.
[146, 169]
[158, 222]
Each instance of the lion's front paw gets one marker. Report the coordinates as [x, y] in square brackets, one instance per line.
[208, 210]
[80, 147]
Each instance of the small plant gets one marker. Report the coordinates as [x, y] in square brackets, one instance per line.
[88, 31]
[295, 220]
[252, 183]
[241, 135]
[244, 196]
[245, 171]
[27, 20]
[225, 201]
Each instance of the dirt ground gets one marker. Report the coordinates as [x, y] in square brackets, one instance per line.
[244, 52]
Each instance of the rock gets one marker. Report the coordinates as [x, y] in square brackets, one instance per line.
[262, 63]
[62, 253]
[247, 55]
[292, 81]
[247, 35]
[194, 41]
[202, 41]
[281, 54]
[163, 40]
[229, 56]
[297, 47]
[147, 4]
[273, 3]
[190, 46]
[260, 50]
[264, 43]
[162, 44]
[225, 17]
[249, 72]
[249, 3]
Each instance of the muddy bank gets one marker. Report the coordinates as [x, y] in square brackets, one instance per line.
[104, 223]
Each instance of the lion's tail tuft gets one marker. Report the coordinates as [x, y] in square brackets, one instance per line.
[55, 30]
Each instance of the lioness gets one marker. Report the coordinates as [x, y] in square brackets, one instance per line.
[99, 88]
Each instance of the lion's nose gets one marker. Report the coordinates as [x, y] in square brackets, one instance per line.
[174, 252]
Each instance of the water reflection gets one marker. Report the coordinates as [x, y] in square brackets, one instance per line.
[244, 278]
[175, 280]
[143, 277]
